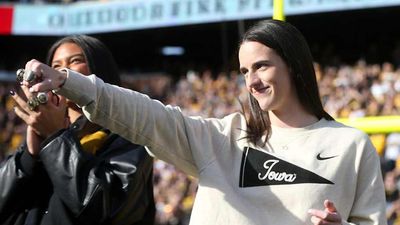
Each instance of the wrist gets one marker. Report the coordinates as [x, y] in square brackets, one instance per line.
[28, 162]
[32, 151]
[61, 79]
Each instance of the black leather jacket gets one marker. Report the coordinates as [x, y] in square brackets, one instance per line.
[66, 185]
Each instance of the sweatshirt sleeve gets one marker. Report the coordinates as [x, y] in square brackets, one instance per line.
[369, 204]
[167, 133]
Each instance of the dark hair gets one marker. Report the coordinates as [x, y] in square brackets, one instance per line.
[292, 47]
[99, 59]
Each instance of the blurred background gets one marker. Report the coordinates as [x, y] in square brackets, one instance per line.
[184, 53]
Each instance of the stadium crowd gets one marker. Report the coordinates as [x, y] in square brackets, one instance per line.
[347, 91]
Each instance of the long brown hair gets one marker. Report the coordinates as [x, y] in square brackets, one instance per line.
[292, 47]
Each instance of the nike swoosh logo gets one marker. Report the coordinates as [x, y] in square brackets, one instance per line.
[319, 157]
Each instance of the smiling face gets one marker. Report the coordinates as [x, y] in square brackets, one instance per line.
[70, 55]
[267, 76]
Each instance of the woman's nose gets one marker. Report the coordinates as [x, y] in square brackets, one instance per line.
[66, 65]
[253, 79]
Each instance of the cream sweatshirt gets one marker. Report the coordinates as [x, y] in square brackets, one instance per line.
[240, 183]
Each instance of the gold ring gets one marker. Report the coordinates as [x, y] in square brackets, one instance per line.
[42, 97]
[29, 76]
[25, 75]
[20, 75]
[33, 103]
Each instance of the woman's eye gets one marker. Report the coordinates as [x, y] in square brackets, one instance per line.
[77, 60]
[262, 67]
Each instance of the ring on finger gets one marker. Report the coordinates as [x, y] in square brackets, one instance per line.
[42, 97]
[33, 103]
[20, 75]
[25, 75]
[29, 76]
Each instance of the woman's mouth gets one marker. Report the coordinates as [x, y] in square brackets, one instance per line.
[261, 90]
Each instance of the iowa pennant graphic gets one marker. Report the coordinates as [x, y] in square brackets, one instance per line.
[262, 169]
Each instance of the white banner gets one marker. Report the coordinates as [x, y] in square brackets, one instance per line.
[98, 17]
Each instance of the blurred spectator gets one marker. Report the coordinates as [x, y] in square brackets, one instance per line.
[12, 130]
[392, 198]
[392, 151]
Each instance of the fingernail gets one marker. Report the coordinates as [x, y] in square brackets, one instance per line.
[31, 90]
[12, 93]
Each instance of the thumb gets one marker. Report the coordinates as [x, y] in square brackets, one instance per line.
[329, 206]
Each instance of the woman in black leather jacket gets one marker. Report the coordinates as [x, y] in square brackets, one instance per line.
[71, 171]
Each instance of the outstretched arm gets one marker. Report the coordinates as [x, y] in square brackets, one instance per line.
[169, 134]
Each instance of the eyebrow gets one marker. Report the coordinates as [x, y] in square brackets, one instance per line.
[261, 62]
[256, 64]
[71, 56]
